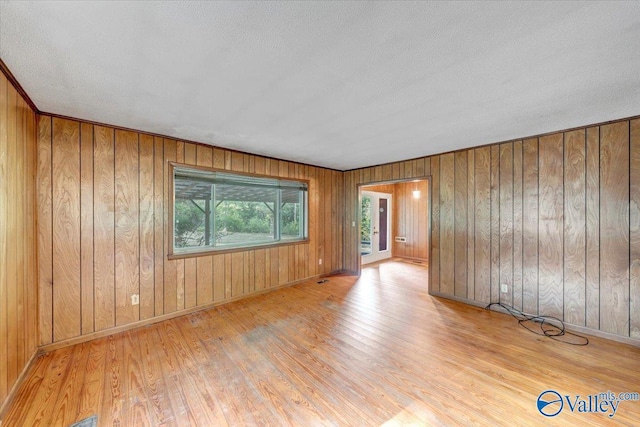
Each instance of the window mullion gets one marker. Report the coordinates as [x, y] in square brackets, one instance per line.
[213, 210]
[277, 215]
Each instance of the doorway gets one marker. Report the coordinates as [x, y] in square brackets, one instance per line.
[375, 226]
[404, 231]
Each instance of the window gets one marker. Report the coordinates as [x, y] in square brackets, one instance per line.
[220, 210]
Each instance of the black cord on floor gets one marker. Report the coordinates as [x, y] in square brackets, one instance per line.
[550, 326]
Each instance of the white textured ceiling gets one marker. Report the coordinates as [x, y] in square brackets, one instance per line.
[336, 84]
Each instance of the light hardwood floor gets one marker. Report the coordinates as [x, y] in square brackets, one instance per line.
[370, 351]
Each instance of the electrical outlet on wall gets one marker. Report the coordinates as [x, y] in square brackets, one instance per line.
[504, 288]
[135, 299]
[320, 261]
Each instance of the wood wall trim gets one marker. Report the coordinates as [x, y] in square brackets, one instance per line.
[18, 87]
[4, 405]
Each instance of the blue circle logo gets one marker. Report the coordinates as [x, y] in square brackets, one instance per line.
[550, 403]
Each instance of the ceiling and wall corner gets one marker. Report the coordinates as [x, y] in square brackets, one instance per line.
[340, 85]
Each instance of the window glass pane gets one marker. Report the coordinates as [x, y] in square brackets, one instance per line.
[291, 215]
[365, 226]
[190, 214]
[219, 210]
[244, 215]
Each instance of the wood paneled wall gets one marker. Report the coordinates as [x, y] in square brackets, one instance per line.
[555, 218]
[18, 270]
[103, 232]
[410, 218]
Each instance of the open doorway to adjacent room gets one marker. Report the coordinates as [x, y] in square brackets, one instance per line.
[394, 222]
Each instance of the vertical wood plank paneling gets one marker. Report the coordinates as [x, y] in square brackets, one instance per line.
[5, 214]
[408, 169]
[592, 305]
[366, 175]
[506, 222]
[574, 227]
[158, 224]
[123, 176]
[21, 242]
[400, 219]
[66, 229]
[328, 241]
[418, 167]
[218, 277]
[45, 231]
[314, 206]
[489, 221]
[170, 266]
[551, 200]
[482, 237]
[19, 234]
[86, 226]
[634, 230]
[530, 226]
[104, 227]
[339, 221]
[495, 224]
[237, 274]
[237, 161]
[347, 238]
[259, 165]
[218, 158]
[250, 278]
[421, 225]
[228, 278]
[434, 264]
[274, 264]
[11, 254]
[460, 223]
[9, 237]
[146, 181]
[127, 237]
[517, 225]
[190, 264]
[260, 269]
[447, 224]
[205, 263]
[179, 263]
[32, 233]
[387, 172]
[614, 228]
[471, 225]
[283, 265]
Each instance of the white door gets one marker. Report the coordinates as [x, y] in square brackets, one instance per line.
[375, 226]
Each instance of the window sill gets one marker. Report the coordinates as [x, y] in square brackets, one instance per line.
[207, 252]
